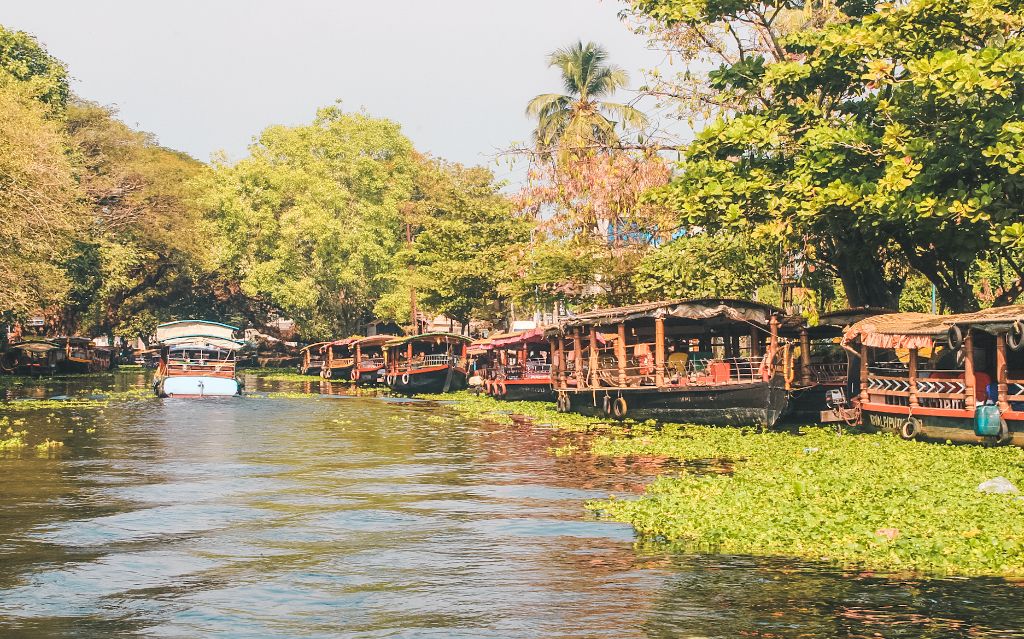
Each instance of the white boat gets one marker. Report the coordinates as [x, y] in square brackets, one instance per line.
[197, 359]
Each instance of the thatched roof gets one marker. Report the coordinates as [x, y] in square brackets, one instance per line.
[899, 330]
[373, 340]
[992, 320]
[693, 309]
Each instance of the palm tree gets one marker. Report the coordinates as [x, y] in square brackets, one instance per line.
[579, 118]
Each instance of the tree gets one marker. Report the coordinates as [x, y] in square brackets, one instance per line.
[580, 117]
[872, 139]
[38, 204]
[465, 230]
[27, 64]
[311, 221]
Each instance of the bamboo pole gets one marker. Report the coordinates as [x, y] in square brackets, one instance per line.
[620, 354]
[594, 361]
[1002, 380]
[968, 347]
[912, 374]
[659, 352]
[805, 358]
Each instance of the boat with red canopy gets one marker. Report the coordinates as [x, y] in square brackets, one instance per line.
[427, 363]
[368, 359]
[516, 365]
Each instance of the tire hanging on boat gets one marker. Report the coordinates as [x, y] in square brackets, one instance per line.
[910, 428]
[1015, 336]
[619, 407]
[955, 336]
[405, 379]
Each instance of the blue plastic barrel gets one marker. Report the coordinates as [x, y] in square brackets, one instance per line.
[987, 421]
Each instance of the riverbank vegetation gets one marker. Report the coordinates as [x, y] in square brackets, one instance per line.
[865, 501]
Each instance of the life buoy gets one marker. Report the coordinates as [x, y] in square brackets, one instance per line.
[619, 407]
[955, 336]
[405, 379]
[910, 428]
[328, 373]
[354, 375]
[1015, 336]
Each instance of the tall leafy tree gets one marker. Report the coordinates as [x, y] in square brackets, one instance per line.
[23, 61]
[311, 221]
[582, 117]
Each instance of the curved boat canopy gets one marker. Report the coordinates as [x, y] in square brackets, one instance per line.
[701, 309]
[900, 330]
[311, 347]
[209, 342]
[194, 328]
[435, 338]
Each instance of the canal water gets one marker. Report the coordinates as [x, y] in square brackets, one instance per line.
[295, 515]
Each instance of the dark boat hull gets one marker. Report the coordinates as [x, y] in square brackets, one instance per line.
[515, 391]
[338, 374]
[74, 366]
[369, 377]
[938, 424]
[429, 381]
[750, 404]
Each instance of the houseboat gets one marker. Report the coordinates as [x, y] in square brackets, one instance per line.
[515, 366]
[197, 359]
[338, 358]
[36, 358]
[312, 359]
[368, 357]
[102, 359]
[428, 363]
[956, 378]
[702, 361]
[78, 354]
[819, 365]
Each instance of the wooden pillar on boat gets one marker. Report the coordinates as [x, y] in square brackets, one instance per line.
[558, 348]
[912, 374]
[805, 358]
[968, 347]
[463, 360]
[1002, 381]
[659, 352]
[620, 354]
[863, 373]
[577, 354]
[773, 343]
[755, 341]
[408, 356]
[522, 360]
[594, 361]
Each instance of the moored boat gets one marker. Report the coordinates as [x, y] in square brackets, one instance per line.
[368, 357]
[78, 354]
[34, 357]
[312, 359]
[338, 359]
[197, 359]
[515, 366]
[427, 363]
[953, 378]
[704, 361]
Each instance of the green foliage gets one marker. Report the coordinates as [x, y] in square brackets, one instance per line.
[26, 64]
[465, 232]
[722, 264]
[311, 220]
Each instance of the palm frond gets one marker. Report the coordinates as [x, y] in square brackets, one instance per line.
[546, 103]
[624, 114]
[606, 81]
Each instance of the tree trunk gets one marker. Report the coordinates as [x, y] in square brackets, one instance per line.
[864, 279]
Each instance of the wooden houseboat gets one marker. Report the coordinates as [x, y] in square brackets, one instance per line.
[704, 361]
[102, 359]
[368, 359]
[428, 363]
[338, 359]
[78, 354]
[516, 366]
[820, 365]
[35, 358]
[312, 359]
[954, 377]
[197, 359]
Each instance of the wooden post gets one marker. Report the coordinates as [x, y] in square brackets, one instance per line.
[1002, 381]
[805, 358]
[773, 343]
[913, 377]
[659, 352]
[755, 341]
[558, 348]
[408, 356]
[594, 361]
[863, 374]
[620, 354]
[968, 347]
[577, 353]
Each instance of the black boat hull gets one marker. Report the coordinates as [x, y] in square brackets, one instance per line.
[748, 404]
[525, 392]
[428, 382]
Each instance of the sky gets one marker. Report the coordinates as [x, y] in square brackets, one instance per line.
[209, 75]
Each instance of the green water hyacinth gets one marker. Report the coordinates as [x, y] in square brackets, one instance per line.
[866, 501]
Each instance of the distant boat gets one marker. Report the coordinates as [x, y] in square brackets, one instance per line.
[197, 359]
[40, 357]
[78, 354]
[312, 359]
[428, 363]
[369, 359]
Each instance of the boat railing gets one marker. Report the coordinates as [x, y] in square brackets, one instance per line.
[431, 361]
[340, 362]
[829, 373]
[533, 370]
[371, 362]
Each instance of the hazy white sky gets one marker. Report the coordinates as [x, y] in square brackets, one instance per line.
[205, 75]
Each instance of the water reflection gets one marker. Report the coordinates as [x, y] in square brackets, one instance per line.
[314, 517]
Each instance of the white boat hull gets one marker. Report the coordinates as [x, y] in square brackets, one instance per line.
[197, 386]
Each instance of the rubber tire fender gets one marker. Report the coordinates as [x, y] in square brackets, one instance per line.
[1015, 336]
[955, 335]
[354, 375]
[405, 379]
[620, 408]
[606, 406]
[328, 373]
[910, 429]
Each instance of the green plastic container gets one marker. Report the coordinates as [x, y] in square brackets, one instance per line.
[987, 422]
